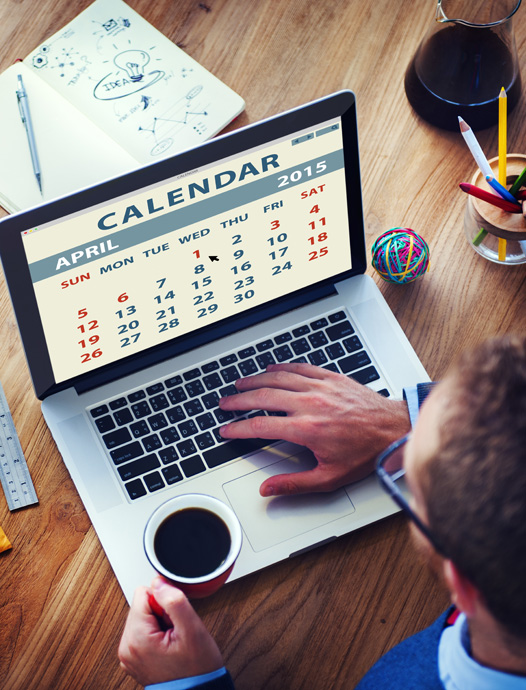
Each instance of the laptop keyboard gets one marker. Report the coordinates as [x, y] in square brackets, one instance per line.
[166, 432]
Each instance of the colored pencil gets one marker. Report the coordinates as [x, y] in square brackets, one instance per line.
[518, 183]
[474, 147]
[490, 198]
[502, 135]
[502, 191]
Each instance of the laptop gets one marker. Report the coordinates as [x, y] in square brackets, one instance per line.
[142, 299]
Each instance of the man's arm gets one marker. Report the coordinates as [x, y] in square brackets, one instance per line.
[345, 424]
[154, 653]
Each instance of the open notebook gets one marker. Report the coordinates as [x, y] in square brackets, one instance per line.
[106, 93]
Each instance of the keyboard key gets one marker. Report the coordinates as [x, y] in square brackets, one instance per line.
[117, 404]
[247, 367]
[98, 411]
[247, 352]
[105, 424]
[168, 455]
[153, 481]
[212, 381]
[186, 448]
[366, 375]
[169, 436]
[155, 388]
[123, 416]
[353, 362]
[318, 358]
[192, 466]
[300, 346]
[177, 395]
[159, 402]
[283, 338]
[228, 360]
[228, 390]
[175, 414]
[187, 428]
[172, 474]
[173, 381]
[157, 421]
[195, 388]
[223, 416]
[230, 374]
[318, 339]
[265, 345]
[265, 359]
[135, 489]
[193, 407]
[233, 449]
[334, 351]
[384, 392]
[126, 453]
[301, 330]
[151, 443]
[205, 421]
[116, 438]
[209, 367]
[192, 374]
[332, 367]
[319, 323]
[140, 428]
[283, 353]
[141, 409]
[136, 396]
[352, 344]
[337, 316]
[339, 331]
[210, 400]
[204, 441]
[137, 467]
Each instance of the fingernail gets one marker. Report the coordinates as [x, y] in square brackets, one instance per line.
[268, 491]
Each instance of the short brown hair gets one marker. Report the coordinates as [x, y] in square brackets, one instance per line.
[475, 486]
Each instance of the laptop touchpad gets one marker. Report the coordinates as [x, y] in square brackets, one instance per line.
[270, 521]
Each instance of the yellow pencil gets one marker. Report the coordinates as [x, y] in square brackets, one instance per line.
[503, 127]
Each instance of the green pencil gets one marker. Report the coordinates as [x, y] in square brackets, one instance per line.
[518, 182]
[479, 236]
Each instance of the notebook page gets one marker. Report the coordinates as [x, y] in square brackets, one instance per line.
[73, 153]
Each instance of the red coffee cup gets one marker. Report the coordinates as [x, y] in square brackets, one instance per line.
[193, 540]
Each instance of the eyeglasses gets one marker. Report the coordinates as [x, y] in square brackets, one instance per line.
[389, 470]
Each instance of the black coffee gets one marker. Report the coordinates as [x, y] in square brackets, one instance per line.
[465, 70]
[192, 542]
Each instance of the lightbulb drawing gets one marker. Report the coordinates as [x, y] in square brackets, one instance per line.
[133, 63]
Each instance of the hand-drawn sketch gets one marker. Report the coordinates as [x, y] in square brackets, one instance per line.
[108, 55]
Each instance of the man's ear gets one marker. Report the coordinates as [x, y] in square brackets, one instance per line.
[464, 594]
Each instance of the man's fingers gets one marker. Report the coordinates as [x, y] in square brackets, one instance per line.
[315, 480]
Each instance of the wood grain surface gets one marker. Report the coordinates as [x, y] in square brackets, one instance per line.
[319, 620]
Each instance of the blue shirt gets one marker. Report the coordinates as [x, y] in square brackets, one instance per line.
[457, 669]
[187, 683]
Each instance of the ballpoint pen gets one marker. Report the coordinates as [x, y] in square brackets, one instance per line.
[23, 107]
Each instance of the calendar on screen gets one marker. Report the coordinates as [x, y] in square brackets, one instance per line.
[163, 261]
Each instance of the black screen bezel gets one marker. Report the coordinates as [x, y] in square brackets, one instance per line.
[341, 104]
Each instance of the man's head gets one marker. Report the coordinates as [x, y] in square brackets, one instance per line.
[466, 466]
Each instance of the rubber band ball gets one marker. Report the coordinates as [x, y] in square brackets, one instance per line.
[400, 255]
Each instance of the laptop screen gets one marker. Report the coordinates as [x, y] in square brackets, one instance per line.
[225, 236]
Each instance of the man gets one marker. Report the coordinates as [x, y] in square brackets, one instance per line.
[465, 465]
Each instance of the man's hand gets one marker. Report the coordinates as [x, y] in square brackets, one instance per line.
[345, 424]
[152, 654]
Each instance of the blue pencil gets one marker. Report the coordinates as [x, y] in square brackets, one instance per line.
[500, 189]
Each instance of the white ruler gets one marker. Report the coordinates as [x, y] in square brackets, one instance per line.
[14, 473]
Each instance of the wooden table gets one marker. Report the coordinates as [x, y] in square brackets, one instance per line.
[319, 620]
